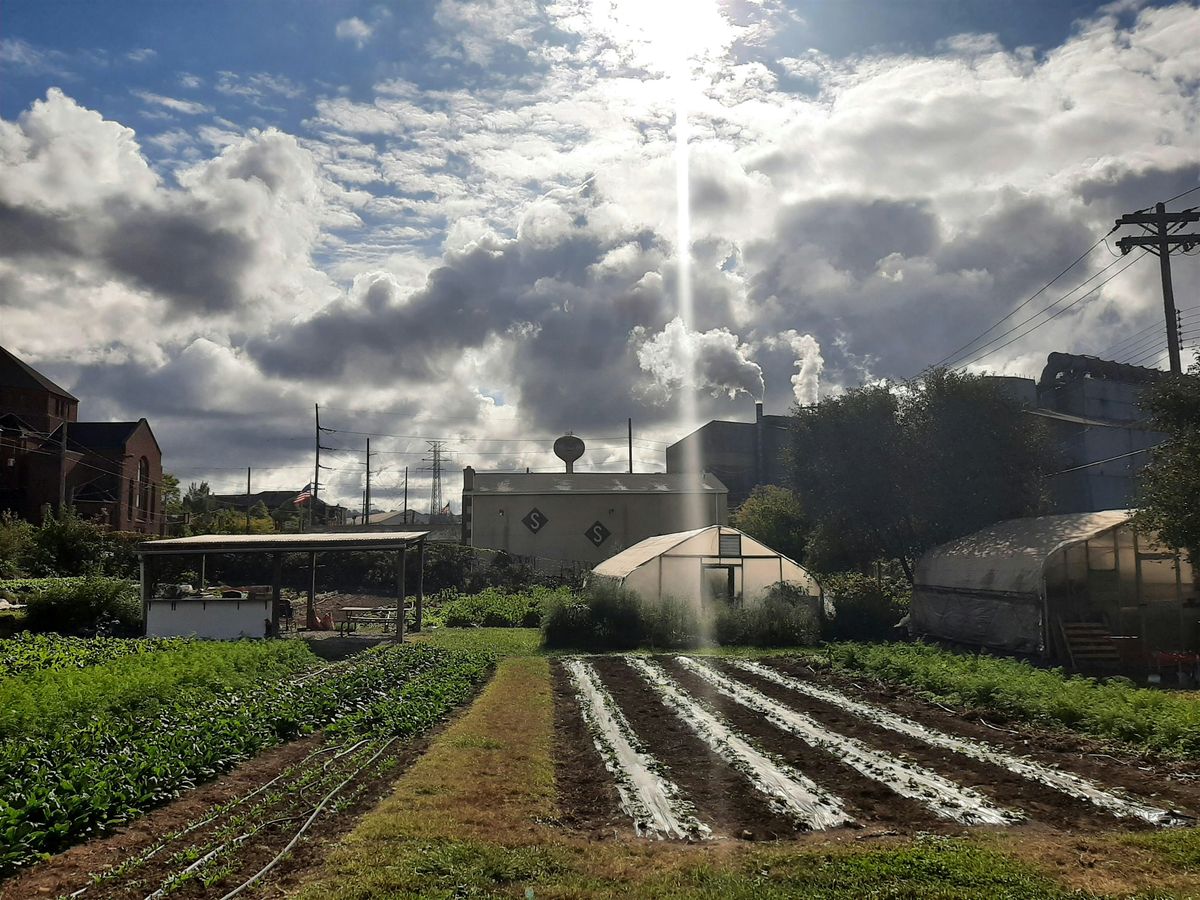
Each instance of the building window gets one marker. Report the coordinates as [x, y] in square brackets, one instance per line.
[143, 488]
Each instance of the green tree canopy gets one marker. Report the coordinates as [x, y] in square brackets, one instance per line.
[1169, 485]
[774, 516]
[888, 472]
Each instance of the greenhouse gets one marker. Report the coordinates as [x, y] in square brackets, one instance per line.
[1079, 588]
[715, 563]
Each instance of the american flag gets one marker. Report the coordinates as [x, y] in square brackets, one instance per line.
[304, 495]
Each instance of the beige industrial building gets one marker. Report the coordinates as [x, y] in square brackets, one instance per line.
[584, 517]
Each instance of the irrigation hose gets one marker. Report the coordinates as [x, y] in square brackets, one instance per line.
[308, 822]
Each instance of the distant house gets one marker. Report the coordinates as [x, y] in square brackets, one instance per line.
[111, 471]
[325, 513]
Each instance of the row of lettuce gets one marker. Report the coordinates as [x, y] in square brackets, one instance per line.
[85, 746]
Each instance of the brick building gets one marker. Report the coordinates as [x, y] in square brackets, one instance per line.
[111, 471]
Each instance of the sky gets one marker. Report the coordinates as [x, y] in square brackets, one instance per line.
[458, 221]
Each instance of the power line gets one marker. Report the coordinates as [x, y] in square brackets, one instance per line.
[1077, 300]
[952, 356]
[1101, 462]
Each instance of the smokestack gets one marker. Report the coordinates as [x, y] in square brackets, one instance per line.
[758, 444]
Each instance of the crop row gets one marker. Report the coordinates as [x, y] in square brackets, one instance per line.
[63, 785]
[27, 652]
[1007, 688]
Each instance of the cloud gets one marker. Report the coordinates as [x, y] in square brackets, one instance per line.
[16, 53]
[354, 29]
[143, 54]
[187, 107]
[720, 363]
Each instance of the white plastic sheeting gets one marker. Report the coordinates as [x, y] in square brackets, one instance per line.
[701, 563]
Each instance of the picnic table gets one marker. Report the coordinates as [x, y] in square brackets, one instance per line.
[353, 616]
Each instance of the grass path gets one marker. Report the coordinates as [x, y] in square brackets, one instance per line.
[476, 817]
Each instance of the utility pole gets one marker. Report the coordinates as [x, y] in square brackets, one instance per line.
[631, 446]
[1161, 239]
[367, 494]
[406, 495]
[312, 500]
[62, 469]
[435, 467]
[247, 499]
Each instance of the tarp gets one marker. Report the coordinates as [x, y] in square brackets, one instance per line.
[988, 588]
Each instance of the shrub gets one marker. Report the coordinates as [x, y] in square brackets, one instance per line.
[605, 617]
[867, 608]
[66, 544]
[84, 605]
[785, 617]
[16, 539]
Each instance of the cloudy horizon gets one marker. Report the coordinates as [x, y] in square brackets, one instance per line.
[460, 223]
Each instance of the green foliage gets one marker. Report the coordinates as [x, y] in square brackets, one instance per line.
[171, 497]
[66, 544]
[774, 516]
[494, 608]
[1169, 486]
[28, 652]
[607, 616]
[784, 617]
[16, 541]
[867, 607]
[215, 705]
[499, 642]
[88, 604]
[888, 473]
[1156, 720]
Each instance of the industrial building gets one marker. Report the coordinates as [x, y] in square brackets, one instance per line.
[1084, 589]
[741, 454]
[1091, 406]
[583, 517]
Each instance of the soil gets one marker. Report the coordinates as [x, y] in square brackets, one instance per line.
[723, 798]
[869, 802]
[588, 799]
[1168, 783]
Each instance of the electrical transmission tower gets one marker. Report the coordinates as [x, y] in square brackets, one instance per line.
[436, 452]
[1163, 238]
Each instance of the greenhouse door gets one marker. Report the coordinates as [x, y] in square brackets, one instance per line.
[720, 583]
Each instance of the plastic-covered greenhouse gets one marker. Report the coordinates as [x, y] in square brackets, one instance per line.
[1024, 585]
[712, 563]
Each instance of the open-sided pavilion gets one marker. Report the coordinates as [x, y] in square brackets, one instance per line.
[218, 612]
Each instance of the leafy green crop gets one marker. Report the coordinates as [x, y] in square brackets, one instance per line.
[29, 652]
[107, 765]
[1115, 709]
[495, 608]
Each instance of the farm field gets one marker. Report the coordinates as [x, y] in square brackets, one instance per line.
[109, 751]
[685, 775]
[844, 771]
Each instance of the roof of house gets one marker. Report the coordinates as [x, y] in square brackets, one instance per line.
[504, 483]
[100, 435]
[19, 374]
[1011, 556]
[284, 543]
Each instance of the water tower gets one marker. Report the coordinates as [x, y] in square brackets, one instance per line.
[569, 448]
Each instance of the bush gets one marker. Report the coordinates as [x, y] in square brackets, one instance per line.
[89, 605]
[867, 609]
[66, 544]
[16, 540]
[605, 617]
[785, 617]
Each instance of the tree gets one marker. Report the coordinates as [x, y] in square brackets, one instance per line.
[887, 472]
[198, 498]
[1169, 485]
[774, 516]
[172, 500]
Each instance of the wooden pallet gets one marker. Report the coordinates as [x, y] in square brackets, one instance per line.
[1089, 645]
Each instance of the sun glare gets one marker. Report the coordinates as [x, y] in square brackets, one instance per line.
[666, 35]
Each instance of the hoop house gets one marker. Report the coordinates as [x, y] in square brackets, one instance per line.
[712, 563]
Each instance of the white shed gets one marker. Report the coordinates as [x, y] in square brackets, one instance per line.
[712, 563]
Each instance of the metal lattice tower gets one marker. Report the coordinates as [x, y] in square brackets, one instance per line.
[435, 451]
